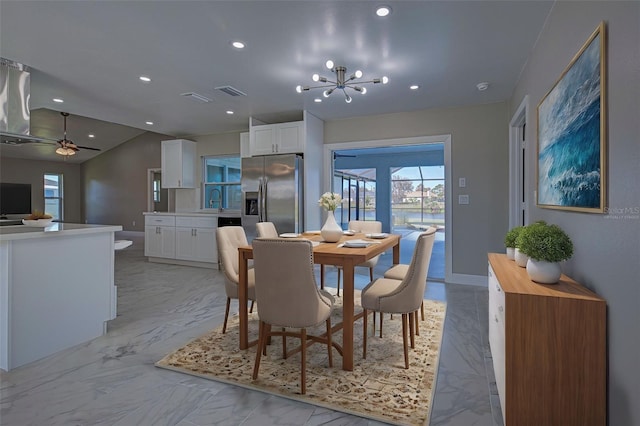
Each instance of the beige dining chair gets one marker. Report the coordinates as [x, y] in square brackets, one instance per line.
[367, 227]
[404, 296]
[266, 230]
[289, 298]
[229, 238]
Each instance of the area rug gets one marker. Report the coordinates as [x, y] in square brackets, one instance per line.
[378, 388]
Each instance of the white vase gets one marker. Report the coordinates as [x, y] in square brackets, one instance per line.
[543, 272]
[331, 231]
[511, 253]
[520, 258]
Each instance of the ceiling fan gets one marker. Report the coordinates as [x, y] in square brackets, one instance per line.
[66, 147]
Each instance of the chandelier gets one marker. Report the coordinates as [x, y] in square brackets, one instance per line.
[341, 83]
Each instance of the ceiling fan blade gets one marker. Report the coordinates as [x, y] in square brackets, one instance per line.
[88, 147]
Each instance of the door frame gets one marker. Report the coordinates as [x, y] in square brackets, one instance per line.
[445, 139]
[150, 203]
[518, 206]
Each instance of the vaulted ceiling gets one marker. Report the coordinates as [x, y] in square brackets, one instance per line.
[91, 54]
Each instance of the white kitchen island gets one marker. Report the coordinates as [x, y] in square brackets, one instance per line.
[56, 288]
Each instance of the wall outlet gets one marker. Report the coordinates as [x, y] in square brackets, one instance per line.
[462, 182]
[134, 223]
[463, 199]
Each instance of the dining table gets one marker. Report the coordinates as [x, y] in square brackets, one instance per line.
[326, 253]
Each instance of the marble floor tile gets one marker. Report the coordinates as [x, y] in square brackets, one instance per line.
[112, 380]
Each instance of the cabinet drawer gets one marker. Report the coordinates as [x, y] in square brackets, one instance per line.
[153, 220]
[197, 222]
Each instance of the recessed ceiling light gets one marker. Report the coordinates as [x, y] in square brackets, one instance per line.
[145, 78]
[414, 87]
[58, 100]
[150, 123]
[91, 135]
[383, 11]
[317, 100]
[238, 44]
[230, 112]
[482, 86]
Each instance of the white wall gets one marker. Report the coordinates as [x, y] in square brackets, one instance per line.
[607, 246]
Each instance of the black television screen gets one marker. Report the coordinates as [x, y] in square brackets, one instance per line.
[15, 198]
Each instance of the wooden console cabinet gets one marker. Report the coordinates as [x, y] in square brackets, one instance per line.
[548, 344]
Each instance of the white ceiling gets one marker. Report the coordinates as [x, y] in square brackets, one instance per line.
[91, 54]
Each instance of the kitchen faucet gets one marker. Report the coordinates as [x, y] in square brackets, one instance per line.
[213, 199]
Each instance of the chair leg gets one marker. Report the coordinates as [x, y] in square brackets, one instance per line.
[329, 343]
[226, 316]
[365, 319]
[339, 272]
[415, 316]
[284, 345]
[411, 329]
[261, 343]
[322, 277]
[374, 322]
[422, 310]
[303, 362]
[404, 340]
[382, 315]
[251, 307]
[371, 274]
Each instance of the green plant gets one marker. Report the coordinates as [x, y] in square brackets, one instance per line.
[510, 238]
[541, 241]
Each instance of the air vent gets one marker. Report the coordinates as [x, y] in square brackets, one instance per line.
[196, 97]
[232, 91]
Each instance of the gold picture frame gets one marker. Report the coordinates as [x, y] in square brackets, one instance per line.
[571, 168]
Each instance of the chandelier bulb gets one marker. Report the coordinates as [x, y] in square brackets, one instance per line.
[385, 79]
[329, 64]
[364, 90]
[299, 89]
[326, 93]
[315, 77]
[358, 74]
[347, 98]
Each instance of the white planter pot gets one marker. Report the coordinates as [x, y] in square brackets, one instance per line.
[544, 272]
[520, 258]
[511, 253]
[331, 231]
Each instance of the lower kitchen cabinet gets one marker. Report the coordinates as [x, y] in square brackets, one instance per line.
[549, 349]
[196, 239]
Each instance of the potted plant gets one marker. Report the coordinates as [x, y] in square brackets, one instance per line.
[546, 246]
[510, 241]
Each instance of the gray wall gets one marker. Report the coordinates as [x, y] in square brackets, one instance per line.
[15, 170]
[479, 153]
[607, 246]
[115, 182]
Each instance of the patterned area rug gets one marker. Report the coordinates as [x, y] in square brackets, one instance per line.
[378, 388]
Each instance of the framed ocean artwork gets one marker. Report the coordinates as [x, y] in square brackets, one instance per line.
[571, 166]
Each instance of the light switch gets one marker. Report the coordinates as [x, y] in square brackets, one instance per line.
[462, 182]
[463, 199]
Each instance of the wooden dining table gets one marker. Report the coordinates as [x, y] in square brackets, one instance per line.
[325, 254]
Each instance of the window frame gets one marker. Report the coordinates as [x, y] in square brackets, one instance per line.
[59, 217]
[224, 185]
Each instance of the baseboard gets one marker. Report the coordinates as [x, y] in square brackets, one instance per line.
[464, 279]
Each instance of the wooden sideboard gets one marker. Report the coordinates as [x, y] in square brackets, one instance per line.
[548, 344]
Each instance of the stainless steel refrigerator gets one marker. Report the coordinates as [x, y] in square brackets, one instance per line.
[272, 191]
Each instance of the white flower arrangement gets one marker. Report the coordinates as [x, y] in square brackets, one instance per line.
[330, 201]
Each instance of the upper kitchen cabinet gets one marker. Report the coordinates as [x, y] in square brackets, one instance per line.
[178, 164]
[279, 138]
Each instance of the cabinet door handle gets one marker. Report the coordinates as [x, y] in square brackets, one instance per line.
[195, 232]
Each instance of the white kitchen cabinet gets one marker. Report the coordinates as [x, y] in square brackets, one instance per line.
[178, 164]
[279, 138]
[196, 239]
[159, 241]
[245, 149]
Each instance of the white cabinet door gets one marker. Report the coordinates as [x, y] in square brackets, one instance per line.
[185, 247]
[290, 138]
[178, 164]
[205, 245]
[262, 140]
[159, 241]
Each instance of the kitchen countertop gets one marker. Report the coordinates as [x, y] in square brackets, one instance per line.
[225, 213]
[24, 232]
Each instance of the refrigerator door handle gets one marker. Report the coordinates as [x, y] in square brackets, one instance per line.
[260, 197]
[265, 191]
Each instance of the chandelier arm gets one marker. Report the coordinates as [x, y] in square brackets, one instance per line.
[324, 85]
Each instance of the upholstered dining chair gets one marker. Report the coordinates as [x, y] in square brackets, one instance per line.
[404, 296]
[289, 298]
[266, 230]
[368, 227]
[229, 238]
[398, 272]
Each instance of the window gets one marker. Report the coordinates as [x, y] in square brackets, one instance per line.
[156, 189]
[221, 183]
[53, 195]
[358, 190]
[417, 196]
